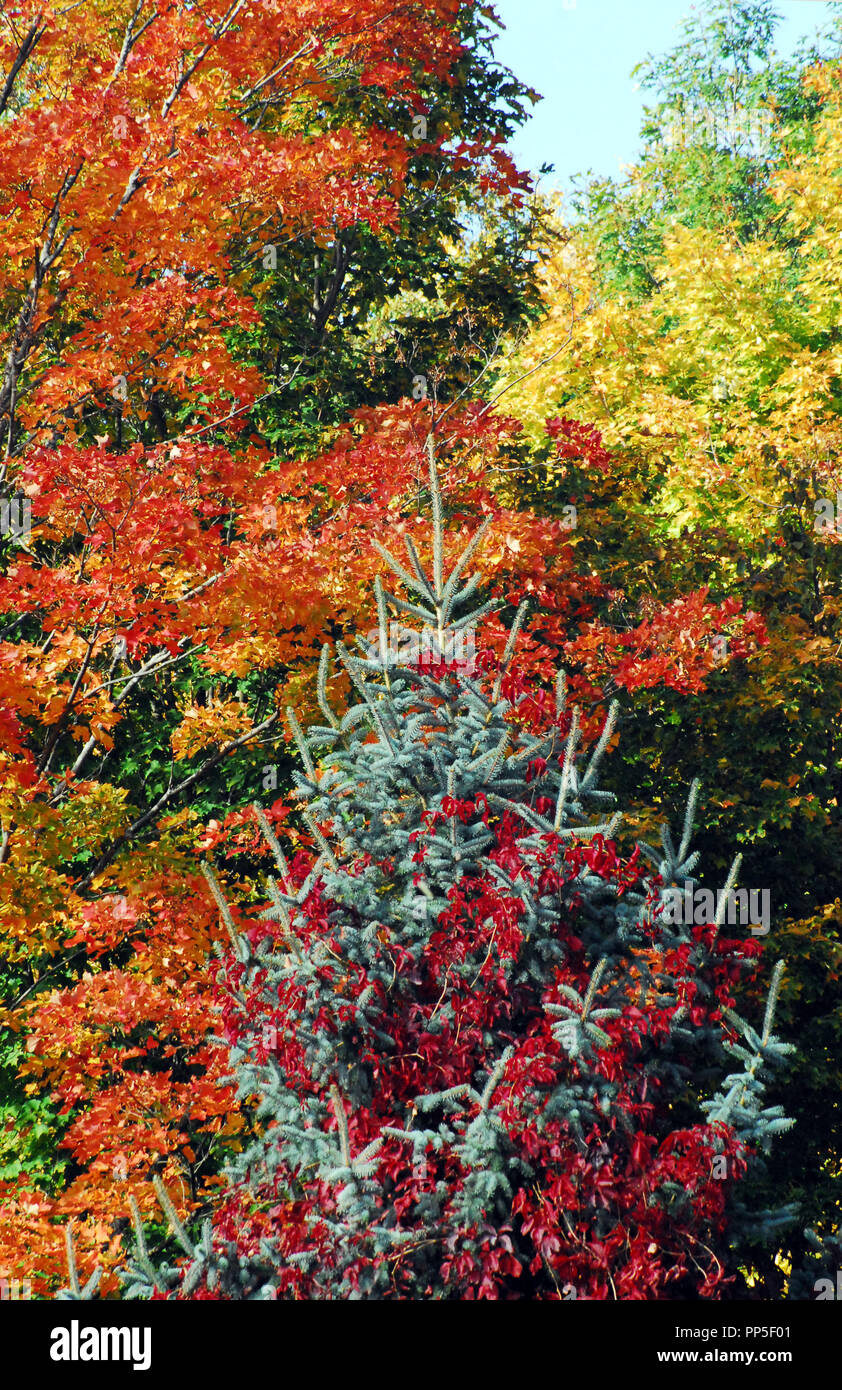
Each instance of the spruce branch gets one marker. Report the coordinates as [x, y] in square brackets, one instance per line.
[403, 574]
[301, 743]
[271, 838]
[568, 770]
[471, 619]
[424, 584]
[772, 1002]
[342, 1124]
[725, 894]
[525, 812]
[438, 520]
[597, 975]
[488, 763]
[494, 1078]
[325, 848]
[689, 815]
[309, 882]
[141, 1258]
[280, 912]
[137, 1222]
[382, 627]
[529, 750]
[598, 753]
[509, 648]
[240, 946]
[353, 667]
[321, 688]
[467, 591]
[77, 1292]
[464, 558]
[429, 617]
[173, 1218]
[71, 1262]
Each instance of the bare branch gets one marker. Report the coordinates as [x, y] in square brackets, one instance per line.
[130, 39]
[24, 335]
[28, 44]
[186, 73]
[306, 47]
[530, 372]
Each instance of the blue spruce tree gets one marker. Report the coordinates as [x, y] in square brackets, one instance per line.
[473, 1051]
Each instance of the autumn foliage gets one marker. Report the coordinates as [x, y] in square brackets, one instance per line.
[230, 248]
[632, 1207]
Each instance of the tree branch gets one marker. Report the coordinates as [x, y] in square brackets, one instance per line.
[186, 73]
[142, 821]
[130, 39]
[25, 49]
